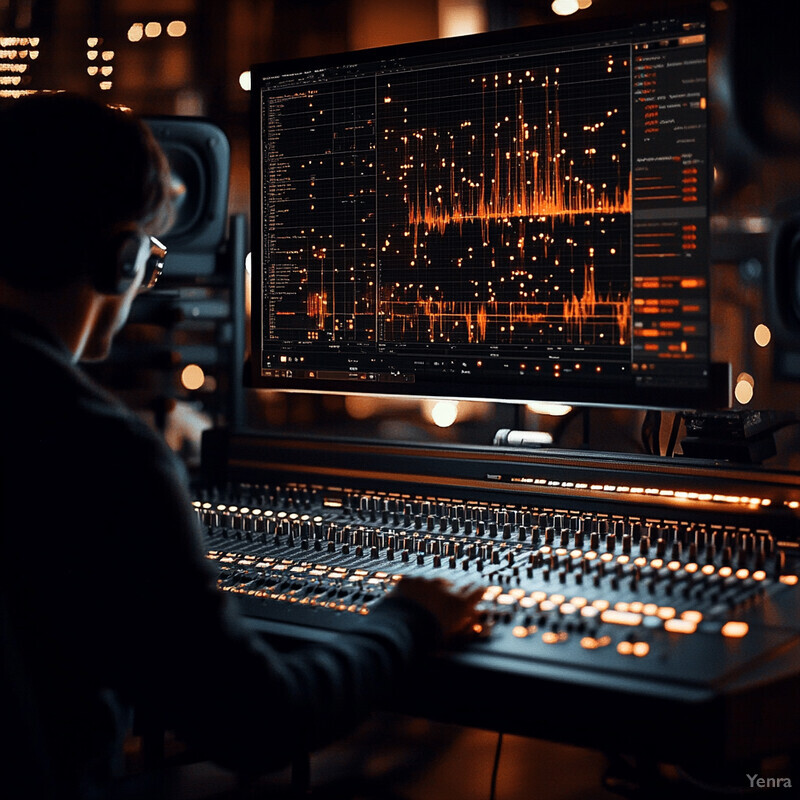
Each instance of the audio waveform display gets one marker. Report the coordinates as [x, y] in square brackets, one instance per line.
[510, 217]
[504, 213]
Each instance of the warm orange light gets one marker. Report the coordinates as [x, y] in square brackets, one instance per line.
[176, 28]
[565, 7]
[692, 616]
[735, 630]
[135, 32]
[192, 377]
[641, 649]
[680, 626]
[621, 617]
[762, 335]
[152, 29]
[744, 388]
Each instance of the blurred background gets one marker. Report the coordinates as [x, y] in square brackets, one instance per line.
[180, 360]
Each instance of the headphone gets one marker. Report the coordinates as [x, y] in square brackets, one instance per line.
[131, 253]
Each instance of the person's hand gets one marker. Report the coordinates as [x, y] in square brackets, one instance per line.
[454, 609]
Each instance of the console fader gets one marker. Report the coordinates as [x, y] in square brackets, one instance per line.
[633, 586]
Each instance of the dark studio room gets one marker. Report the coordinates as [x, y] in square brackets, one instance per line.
[401, 400]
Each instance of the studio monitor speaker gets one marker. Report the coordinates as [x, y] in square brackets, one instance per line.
[199, 158]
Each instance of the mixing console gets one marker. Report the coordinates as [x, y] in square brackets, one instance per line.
[626, 575]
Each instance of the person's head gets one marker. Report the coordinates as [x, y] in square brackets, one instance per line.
[78, 176]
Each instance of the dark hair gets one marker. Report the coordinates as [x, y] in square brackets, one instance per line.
[73, 172]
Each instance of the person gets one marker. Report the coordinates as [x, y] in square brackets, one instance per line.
[108, 605]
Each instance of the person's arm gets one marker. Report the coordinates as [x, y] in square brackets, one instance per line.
[179, 645]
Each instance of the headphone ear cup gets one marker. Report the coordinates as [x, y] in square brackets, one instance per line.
[129, 253]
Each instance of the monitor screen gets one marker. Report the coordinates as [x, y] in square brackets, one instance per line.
[519, 215]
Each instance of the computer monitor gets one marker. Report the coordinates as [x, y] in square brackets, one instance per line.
[519, 215]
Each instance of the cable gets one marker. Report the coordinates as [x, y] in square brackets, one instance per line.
[496, 766]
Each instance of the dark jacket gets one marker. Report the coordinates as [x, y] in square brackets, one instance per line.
[108, 604]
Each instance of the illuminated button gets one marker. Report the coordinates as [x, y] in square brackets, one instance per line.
[567, 608]
[589, 611]
[641, 649]
[551, 637]
[735, 630]
[539, 596]
[579, 602]
[600, 605]
[674, 566]
[789, 580]
[666, 612]
[692, 616]
[650, 609]
[492, 592]
[520, 631]
[505, 600]
[741, 574]
[657, 563]
[621, 617]
[625, 648]
[558, 599]
[680, 626]
[621, 606]
[708, 569]
[590, 643]
[725, 572]
[759, 575]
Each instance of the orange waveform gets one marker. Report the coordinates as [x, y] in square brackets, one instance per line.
[539, 182]
[579, 310]
[317, 308]
[580, 318]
